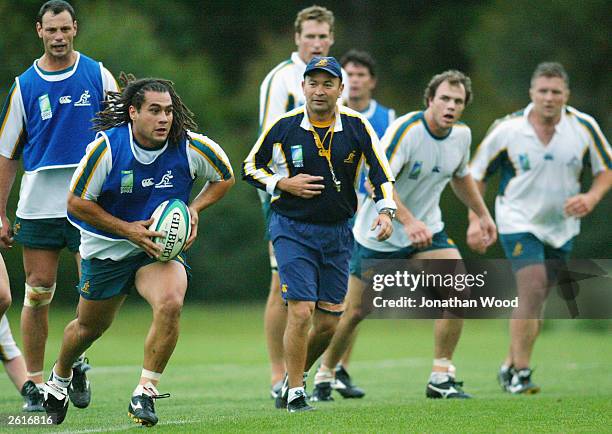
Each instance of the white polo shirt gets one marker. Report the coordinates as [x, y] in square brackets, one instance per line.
[422, 165]
[537, 179]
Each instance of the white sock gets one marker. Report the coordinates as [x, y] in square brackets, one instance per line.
[323, 375]
[452, 371]
[439, 377]
[61, 381]
[295, 392]
[150, 374]
[145, 389]
[504, 368]
[442, 363]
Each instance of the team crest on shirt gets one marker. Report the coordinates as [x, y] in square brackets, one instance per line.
[45, 107]
[127, 181]
[415, 172]
[524, 162]
[574, 162]
[166, 181]
[351, 158]
[297, 156]
[83, 100]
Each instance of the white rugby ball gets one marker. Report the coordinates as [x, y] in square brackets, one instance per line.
[172, 218]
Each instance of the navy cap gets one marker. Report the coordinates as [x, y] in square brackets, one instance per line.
[327, 64]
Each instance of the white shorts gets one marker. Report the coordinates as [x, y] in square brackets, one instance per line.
[8, 347]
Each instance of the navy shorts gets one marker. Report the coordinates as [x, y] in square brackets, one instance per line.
[524, 248]
[313, 259]
[102, 279]
[440, 240]
[47, 234]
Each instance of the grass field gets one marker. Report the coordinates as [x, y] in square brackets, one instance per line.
[218, 378]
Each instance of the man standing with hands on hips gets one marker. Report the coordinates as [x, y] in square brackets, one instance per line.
[308, 160]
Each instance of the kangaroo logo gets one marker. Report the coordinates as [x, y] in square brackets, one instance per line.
[351, 158]
[85, 287]
[518, 249]
[83, 100]
[165, 181]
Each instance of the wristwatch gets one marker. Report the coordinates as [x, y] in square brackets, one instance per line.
[388, 211]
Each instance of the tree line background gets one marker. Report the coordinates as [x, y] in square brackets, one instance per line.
[218, 52]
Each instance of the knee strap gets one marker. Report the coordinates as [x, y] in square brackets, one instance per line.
[37, 296]
[330, 308]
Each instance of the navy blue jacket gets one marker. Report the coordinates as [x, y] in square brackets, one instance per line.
[288, 148]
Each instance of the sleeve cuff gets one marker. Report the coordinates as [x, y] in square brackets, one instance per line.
[462, 174]
[475, 174]
[271, 185]
[385, 203]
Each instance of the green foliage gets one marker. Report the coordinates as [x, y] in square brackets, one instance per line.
[511, 38]
[218, 53]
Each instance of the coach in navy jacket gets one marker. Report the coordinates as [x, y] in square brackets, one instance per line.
[308, 160]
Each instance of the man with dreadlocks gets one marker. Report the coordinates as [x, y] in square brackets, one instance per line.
[46, 122]
[144, 153]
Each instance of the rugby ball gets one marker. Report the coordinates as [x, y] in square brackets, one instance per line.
[172, 218]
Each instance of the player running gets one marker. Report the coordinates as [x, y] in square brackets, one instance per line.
[426, 150]
[541, 152]
[143, 155]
